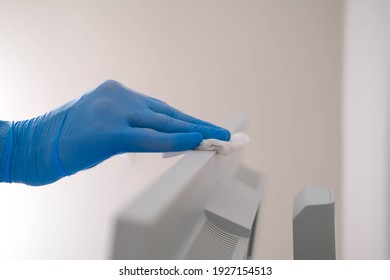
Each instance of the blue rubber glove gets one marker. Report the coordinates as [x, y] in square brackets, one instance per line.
[109, 120]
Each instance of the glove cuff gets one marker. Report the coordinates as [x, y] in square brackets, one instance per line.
[6, 130]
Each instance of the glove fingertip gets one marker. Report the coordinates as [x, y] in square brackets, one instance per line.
[188, 141]
[220, 134]
[228, 134]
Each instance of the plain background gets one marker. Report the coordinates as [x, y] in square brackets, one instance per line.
[366, 114]
[278, 61]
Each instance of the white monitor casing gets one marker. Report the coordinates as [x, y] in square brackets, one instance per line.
[203, 207]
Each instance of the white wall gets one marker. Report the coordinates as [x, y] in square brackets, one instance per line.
[279, 61]
[366, 112]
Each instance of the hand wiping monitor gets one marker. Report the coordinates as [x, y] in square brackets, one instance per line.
[203, 207]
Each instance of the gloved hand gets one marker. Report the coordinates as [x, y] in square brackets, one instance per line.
[109, 120]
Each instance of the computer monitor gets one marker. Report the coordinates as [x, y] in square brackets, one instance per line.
[203, 207]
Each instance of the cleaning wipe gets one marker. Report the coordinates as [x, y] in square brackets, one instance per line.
[237, 140]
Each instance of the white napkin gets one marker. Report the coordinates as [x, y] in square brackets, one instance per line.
[237, 140]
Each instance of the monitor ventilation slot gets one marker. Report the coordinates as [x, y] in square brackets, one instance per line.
[212, 244]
